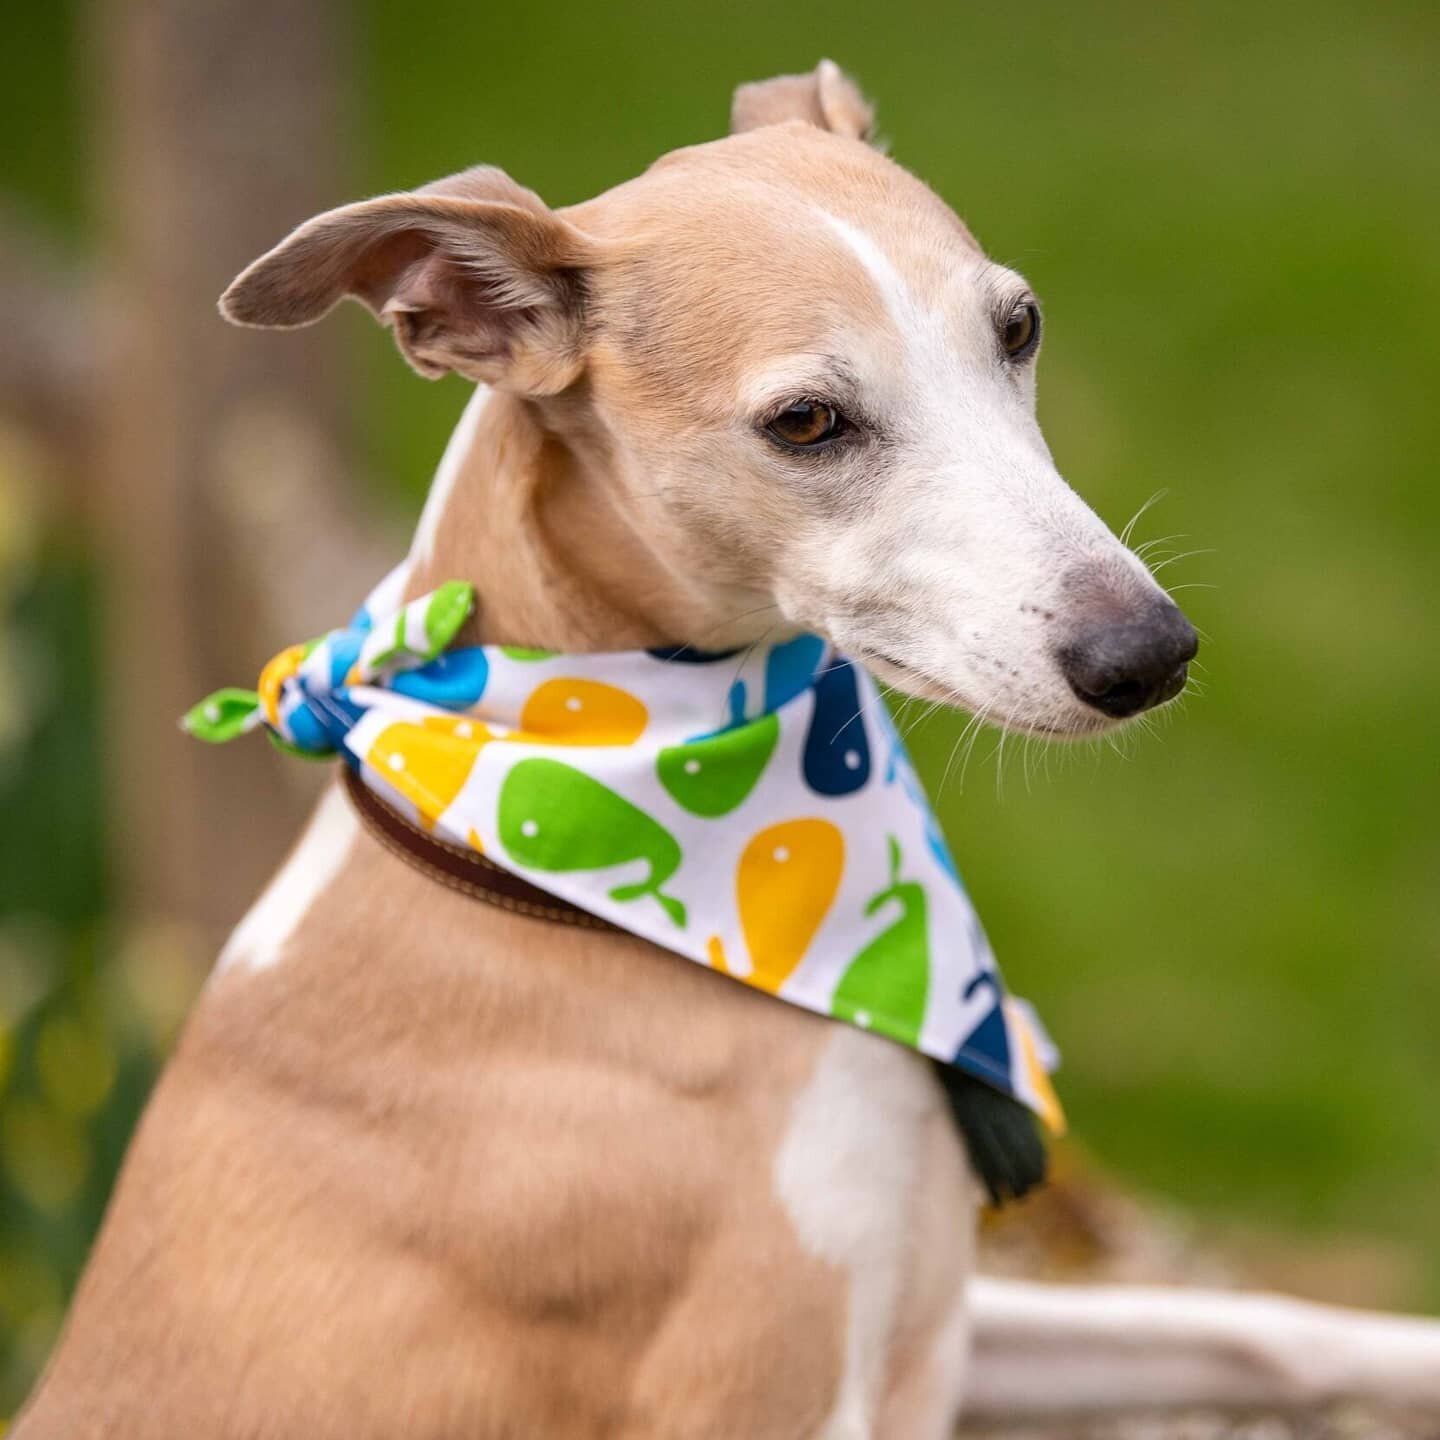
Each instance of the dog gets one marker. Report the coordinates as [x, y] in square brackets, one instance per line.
[426, 1167]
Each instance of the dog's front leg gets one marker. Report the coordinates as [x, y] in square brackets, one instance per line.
[1044, 1351]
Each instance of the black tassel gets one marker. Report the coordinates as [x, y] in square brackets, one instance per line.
[1001, 1137]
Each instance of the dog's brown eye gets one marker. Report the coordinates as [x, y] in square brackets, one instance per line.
[1021, 333]
[806, 423]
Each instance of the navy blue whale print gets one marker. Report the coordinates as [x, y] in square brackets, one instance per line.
[837, 749]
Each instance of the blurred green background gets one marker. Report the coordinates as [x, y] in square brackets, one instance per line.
[1230, 212]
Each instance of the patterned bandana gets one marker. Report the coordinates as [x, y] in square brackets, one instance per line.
[755, 812]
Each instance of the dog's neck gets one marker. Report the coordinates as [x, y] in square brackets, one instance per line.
[529, 505]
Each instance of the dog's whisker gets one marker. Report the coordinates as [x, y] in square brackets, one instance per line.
[864, 705]
[1144, 549]
[1027, 752]
[975, 734]
[1183, 555]
[736, 619]
[998, 755]
[1135, 518]
[745, 655]
[971, 725]
[920, 719]
[968, 733]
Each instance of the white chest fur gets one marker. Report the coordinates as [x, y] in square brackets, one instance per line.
[846, 1174]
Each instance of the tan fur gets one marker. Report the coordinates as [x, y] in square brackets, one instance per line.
[826, 98]
[426, 1177]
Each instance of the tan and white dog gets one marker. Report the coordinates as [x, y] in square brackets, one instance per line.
[421, 1167]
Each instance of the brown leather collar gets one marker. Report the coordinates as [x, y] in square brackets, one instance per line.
[459, 869]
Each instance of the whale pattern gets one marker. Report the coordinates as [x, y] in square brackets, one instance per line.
[455, 680]
[557, 818]
[887, 983]
[712, 775]
[429, 762]
[837, 752]
[575, 711]
[785, 884]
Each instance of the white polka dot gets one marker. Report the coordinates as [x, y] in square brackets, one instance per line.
[529, 829]
[464, 730]
[692, 767]
[396, 760]
[781, 854]
[573, 703]
[212, 713]
[852, 759]
[862, 1019]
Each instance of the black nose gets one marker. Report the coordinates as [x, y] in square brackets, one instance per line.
[1126, 666]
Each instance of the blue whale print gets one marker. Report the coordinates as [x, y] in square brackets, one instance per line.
[789, 668]
[988, 1044]
[456, 679]
[837, 749]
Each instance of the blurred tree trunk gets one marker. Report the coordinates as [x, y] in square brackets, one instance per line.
[224, 509]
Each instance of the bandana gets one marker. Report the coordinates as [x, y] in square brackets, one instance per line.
[755, 812]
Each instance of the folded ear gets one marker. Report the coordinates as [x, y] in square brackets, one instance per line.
[827, 97]
[473, 274]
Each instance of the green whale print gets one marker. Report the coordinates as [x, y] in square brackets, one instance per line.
[554, 817]
[712, 775]
[885, 987]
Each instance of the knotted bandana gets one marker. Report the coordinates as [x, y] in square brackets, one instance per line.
[755, 812]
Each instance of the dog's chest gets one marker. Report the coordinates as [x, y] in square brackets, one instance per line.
[848, 1173]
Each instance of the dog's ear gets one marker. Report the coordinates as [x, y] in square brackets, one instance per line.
[827, 97]
[473, 274]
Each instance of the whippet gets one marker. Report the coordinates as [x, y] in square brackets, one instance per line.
[424, 1167]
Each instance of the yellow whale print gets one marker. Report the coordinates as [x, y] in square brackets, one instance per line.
[785, 883]
[429, 763]
[570, 711]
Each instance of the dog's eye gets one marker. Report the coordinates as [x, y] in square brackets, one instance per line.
[1021, 332]
[807, 423]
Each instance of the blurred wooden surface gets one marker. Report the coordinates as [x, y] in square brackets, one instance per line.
[1085, 1226]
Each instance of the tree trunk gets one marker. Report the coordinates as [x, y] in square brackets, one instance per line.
[223, 511]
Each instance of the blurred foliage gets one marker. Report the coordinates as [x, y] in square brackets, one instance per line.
[1229, 210]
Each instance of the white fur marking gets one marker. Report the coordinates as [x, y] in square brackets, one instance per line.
[260, 938]
[443, 485]
[893, 289]
[845, 1173]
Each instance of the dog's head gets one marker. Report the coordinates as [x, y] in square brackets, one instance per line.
[816, 394]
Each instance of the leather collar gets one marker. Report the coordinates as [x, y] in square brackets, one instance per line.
[464, 870]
